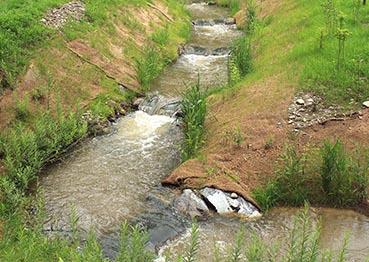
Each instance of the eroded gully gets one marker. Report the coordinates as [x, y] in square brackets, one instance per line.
[116, 177]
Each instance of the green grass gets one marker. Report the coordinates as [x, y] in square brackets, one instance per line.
[334, 177]
[321, 74]
[148, 67]
[194, 111]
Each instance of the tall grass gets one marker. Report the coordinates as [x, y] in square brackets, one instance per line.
[240, 60]
[26, 150]
[194, 111]
[341, 179]
[345, 180]
[148, 66]
[289, 185]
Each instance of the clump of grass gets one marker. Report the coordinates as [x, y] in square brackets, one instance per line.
[22, 108]
[194, 111]
[234, 137]
[345, 180]
[161, 37]
[148, 66]
[240, 58]
[340, 181]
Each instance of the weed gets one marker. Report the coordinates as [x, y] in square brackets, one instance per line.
[22, 108]
[241, 56]
[193, 247]
[341, 181]
[234, 136]
[148, 67]
[269, 143]
[344, 180]
[161, 37]
[194, 111]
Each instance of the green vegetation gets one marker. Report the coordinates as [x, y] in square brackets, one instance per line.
[240, 60]
[194, 111]
[233, 5]
[27, 149]
[301, 245]
[339, 69]
[149, 65]
[340, 179]
[24, 240]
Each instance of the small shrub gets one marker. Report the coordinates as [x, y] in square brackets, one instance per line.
[194, 111]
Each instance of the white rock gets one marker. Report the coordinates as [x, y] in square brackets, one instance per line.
[218, 199]
[300, 102]
[234, 195]
[366, 104]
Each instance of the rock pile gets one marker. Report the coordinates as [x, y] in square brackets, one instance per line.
[307, 110]
[56, 18]
[198, 204]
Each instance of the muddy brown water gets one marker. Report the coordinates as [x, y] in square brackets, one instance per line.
[116, 177]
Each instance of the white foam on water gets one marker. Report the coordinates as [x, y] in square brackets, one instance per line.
[214, 30]
[142, 126]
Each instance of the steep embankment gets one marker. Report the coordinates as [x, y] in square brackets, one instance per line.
[286, 54]
[87, 59]
[93, 67]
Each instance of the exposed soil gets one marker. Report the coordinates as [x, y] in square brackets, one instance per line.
[261, 113]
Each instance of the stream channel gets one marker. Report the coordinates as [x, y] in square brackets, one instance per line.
[116, 177]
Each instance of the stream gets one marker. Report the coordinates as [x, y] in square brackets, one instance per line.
[116, 177]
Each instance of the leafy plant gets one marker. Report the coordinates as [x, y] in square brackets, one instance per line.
[342, 34]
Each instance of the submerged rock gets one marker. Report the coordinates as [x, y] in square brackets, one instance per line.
[190, 204]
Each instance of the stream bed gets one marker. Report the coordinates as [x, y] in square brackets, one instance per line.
[116, 177]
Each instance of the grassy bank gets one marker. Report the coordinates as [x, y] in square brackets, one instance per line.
[62, 80]
[52, 81]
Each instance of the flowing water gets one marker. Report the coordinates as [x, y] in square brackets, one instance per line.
[116, 177]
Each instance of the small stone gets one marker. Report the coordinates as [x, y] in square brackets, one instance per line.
[291, 117]
[360, 113]
[290, 122]
[235, 204]
[234, 195]
[300, 102]
[366, 104]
